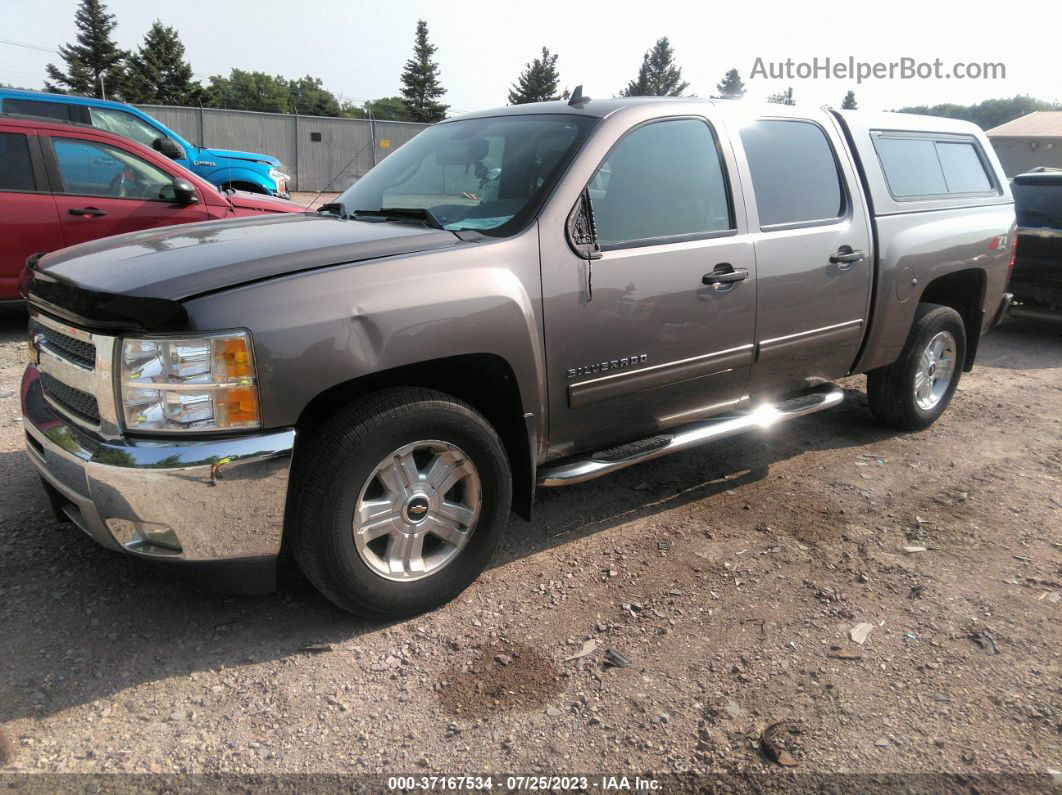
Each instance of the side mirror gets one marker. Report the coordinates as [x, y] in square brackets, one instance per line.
[582, 238]
[168, 147]
[582, 235]
[184, 192]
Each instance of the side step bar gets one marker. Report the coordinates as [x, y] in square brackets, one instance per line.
[608, 461]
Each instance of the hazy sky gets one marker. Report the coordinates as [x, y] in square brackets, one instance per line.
[358, 48]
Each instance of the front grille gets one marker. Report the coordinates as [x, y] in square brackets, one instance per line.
[79, 403]
[74, 350]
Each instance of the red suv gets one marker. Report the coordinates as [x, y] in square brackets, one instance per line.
[63, 184]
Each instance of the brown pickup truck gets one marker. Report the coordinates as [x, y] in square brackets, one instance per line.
[519, 298]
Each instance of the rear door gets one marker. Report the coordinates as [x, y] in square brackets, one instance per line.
[641, 342]
[103, 189]
[814, 253]
[28, 220]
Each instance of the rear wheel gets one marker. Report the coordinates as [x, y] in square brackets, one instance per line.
[401, 500]
[915, 389]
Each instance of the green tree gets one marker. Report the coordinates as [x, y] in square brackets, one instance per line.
[421, 88]
[782, 97]
[538, 82]
[389, 109]
[383, 109]
[309, 97]
[658, 76]
[988, 114]
[95, 64]
[249, 91]
[157, 72]
[849, 102]
[731, 86]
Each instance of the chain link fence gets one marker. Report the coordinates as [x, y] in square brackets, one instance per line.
[318, 152]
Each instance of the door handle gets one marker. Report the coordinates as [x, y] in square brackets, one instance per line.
[725, 273]
[93, 211]
[846, 257]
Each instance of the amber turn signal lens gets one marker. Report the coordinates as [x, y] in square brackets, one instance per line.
[236, 358]
[241, 405]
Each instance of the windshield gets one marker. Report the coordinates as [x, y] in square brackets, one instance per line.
[478, 174]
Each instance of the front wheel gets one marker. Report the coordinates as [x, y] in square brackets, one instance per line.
[912, 392]
[401, 500]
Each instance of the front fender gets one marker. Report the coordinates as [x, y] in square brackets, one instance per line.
[222, 175]
[321, 328]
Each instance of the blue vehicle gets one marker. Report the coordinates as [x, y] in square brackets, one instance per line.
[225, 168]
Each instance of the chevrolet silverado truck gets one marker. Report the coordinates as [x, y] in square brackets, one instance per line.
[525, 297]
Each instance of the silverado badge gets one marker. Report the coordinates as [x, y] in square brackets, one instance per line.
[612, 364]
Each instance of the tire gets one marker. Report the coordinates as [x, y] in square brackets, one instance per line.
[892, 390]
[363, 458]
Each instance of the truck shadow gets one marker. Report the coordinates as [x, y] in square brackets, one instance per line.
[81, 623]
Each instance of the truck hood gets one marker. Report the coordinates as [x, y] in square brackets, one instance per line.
[234, 155]
[178, 262]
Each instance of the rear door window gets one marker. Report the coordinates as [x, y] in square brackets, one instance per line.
[16, 167]
[662, 181]
[61, 111]
[794, 172]
[920, 167]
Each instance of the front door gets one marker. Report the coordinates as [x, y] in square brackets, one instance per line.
[813, 252]
[644, 341]
[106, 190]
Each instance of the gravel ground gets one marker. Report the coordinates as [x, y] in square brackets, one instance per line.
[729, 577]
[311, 201]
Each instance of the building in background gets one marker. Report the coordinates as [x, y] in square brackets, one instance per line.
[1029, 141]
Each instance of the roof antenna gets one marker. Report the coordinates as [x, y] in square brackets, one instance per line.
[578, 100]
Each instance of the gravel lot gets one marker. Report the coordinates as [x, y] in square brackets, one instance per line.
[729, 577]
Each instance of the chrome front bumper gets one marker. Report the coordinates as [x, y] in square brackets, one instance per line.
[188, 500]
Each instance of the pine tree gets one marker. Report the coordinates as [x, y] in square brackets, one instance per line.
[157, 72]
[849, 102]
[95, 65]
[782, 97]
[731, 86]
[538, 82]
[658, 76]
[420, 80]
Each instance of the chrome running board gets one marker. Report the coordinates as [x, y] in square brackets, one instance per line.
[605, 462]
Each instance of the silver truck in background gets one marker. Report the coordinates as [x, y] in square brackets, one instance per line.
[529, 296]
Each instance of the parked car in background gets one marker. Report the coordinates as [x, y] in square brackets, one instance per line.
[1037, 278]
[534, 295]
[222, 167]
[63, 184]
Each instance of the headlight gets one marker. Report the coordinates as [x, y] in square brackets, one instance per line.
[191, 383]
[280, 178]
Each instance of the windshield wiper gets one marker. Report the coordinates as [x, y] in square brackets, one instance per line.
[422, 214]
